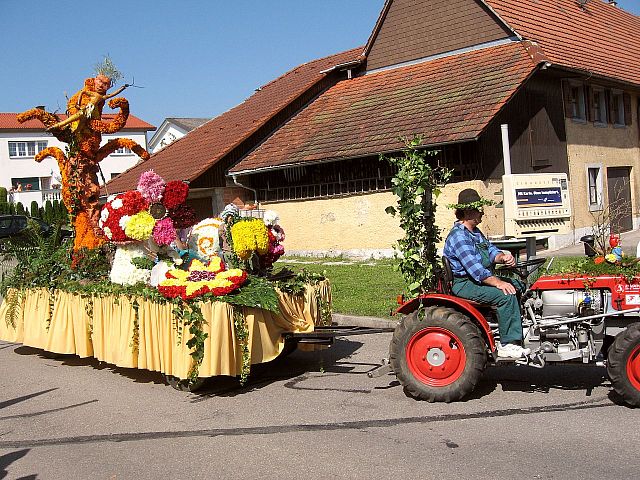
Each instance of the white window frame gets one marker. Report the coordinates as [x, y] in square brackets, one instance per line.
[26, 148]
[600, 107]
[577, 102]
[617, 100]
[594, 185]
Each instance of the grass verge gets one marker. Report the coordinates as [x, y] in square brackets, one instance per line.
[367, 288]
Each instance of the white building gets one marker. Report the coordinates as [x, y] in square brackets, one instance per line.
[171, 130]
[19, 143]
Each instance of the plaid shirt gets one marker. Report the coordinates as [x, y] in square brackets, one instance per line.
[462, 251]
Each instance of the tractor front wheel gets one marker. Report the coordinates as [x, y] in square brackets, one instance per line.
[623, 364]
[438, 354]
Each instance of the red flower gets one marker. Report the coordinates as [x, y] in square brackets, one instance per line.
[133, 202]
[183, 216]
[175, 193]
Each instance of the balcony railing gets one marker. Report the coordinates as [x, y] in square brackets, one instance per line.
[40, 196]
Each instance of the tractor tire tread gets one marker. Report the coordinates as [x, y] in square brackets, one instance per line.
[624, 343]
[469, 335]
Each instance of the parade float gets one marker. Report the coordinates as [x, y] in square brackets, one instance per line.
[144, 284]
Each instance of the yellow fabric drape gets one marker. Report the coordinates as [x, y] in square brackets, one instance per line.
[109, 329]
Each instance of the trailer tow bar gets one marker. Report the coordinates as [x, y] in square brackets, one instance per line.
[383, 369]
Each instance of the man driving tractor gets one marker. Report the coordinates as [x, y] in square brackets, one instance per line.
[472, 258]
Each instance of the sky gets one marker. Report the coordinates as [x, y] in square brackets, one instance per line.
[191, 58]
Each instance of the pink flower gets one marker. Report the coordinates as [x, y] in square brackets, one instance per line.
[151, 186]
[164, 232]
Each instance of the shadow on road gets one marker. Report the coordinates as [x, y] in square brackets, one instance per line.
[291, 368]
[9, 458]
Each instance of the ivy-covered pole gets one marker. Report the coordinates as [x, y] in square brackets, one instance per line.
[417, 184]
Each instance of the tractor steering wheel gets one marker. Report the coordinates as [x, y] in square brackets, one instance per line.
[522, 268]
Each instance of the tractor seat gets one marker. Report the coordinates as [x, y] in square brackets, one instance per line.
[447, 282]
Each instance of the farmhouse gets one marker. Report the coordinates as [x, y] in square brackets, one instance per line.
[561, 75]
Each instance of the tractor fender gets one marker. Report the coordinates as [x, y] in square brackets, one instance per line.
[457, 303]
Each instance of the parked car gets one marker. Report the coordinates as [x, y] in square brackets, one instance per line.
[11, 225]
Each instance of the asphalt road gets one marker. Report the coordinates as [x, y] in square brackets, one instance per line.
[311, 415]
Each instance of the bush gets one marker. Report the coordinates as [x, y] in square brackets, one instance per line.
[4, 207]
[20, 209]
[48, 212]
[35, 209]
[3, 195]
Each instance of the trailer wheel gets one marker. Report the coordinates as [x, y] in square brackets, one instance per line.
[438, 354]
[623, 364]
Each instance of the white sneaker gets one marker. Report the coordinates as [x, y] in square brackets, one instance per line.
[511, 350]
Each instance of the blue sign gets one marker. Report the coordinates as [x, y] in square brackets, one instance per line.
[539, 197]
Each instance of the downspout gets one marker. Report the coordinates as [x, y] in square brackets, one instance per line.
[255, 192]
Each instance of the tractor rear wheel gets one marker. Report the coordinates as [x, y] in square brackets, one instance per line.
[623, 364]
[438, 354]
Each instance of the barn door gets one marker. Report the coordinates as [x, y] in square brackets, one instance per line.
[619, 189]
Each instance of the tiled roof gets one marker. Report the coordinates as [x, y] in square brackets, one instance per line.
[449, 99]
[187, 123]
[8, 121]
[190, 156]
[600, 38]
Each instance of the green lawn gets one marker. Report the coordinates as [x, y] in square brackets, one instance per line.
[368, 288]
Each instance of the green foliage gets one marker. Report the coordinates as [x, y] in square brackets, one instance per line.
[143, 263]
[417, 185]
[3, 195]
[62, 216]
[48, 212]
[20, 209]
[91, 264]
[295, 283]
[12, 208]
[35, 209]
[4, 208]
[13, 301]
[629, 268]
[40, 261]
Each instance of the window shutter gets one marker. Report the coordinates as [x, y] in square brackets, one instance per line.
[566, 93]
[590, 111]
[609, 97]
[626, 100]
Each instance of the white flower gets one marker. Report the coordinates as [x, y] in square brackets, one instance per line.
[123, 271]
[111, 198]
[104, 214]
[116, 204]
[107, 232]
[270, 218]
[123, 221]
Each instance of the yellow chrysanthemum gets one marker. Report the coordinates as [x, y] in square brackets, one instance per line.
[250, 236]
[140, 226]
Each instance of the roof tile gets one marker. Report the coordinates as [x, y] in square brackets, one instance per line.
[369, 114]
[8, 121]
[191, 155]
[600, 38]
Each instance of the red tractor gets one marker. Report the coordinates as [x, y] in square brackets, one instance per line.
[443, 344]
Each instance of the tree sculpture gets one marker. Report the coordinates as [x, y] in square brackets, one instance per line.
[82, 131]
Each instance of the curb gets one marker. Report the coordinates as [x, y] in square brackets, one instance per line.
[356, 321]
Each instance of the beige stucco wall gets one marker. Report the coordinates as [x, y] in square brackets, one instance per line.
[357, 225]
[606, 146]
